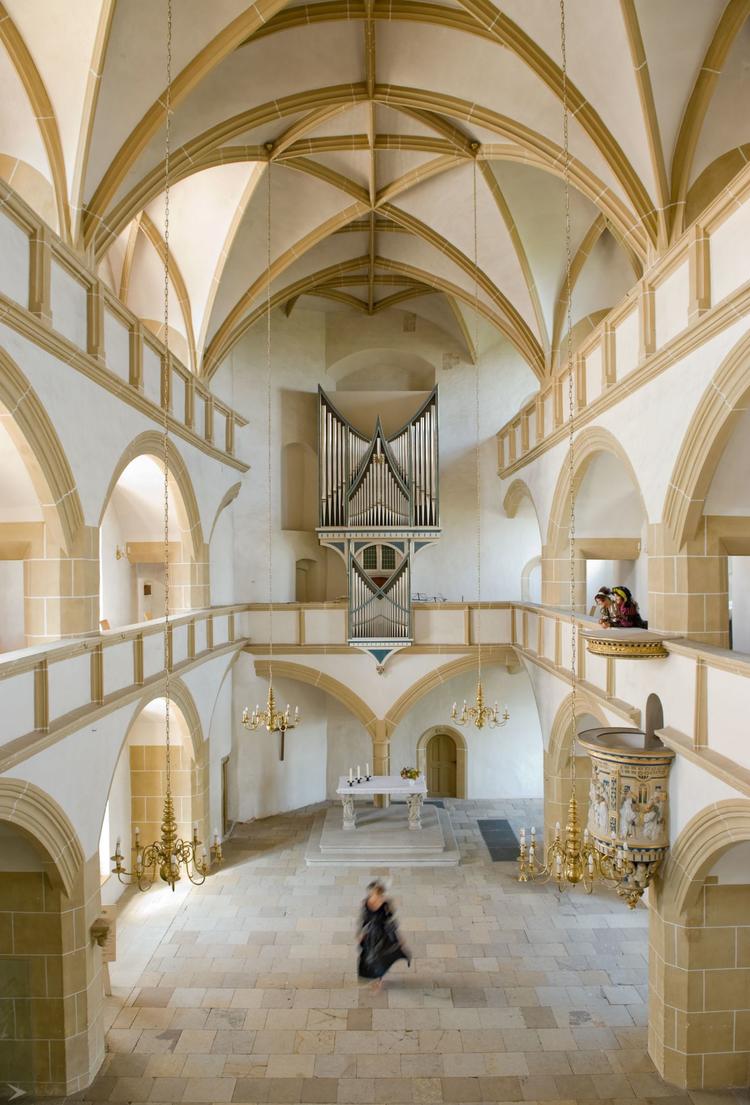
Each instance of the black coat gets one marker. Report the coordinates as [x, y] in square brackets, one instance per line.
[380, 944]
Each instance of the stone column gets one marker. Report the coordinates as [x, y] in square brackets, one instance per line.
[381, 757]
[50, 977]
[688, 587]
[699, 988]
[556, 578]
[61, 591]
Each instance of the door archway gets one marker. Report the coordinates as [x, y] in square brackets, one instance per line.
[442, 759]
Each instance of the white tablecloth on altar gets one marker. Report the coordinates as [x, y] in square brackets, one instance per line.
[381, 784]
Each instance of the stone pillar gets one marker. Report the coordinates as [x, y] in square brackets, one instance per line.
[199, 793]
[52, 1042]
[556, 578]
[699, 989]
[188, 577]
[688, 587]
[61, 591]
[381, 756]
[148, 787]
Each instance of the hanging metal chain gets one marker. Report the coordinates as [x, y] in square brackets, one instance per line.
[477, 450]
[165, 399]
[268, 419]
[571, 395]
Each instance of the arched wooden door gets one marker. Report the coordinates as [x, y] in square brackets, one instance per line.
[441, 766]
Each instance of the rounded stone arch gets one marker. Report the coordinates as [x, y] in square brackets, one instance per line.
[35, 437]
[462, 755]
[151, 443]
[38, 817]
[592, 440]
[705, 837]
[725, 399]
[285, 669]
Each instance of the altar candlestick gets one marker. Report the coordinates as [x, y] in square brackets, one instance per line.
[351, 775]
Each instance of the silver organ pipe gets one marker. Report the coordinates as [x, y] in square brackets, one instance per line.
[379, 484]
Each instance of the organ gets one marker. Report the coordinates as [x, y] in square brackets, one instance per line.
[379, 505]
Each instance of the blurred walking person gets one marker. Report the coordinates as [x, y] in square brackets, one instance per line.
[380, 944]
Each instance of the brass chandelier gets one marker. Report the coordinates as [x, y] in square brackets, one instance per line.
[479, 713]
[169, 856]
[572, 857]
[575, 859]
[271, 718]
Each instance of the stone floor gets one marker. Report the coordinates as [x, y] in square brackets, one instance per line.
[244, 990]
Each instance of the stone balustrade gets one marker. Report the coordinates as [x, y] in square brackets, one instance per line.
[48, 294]
[48, 691]
[697, 288]
[704, 691]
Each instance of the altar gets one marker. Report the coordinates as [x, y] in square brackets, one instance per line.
[394, 786]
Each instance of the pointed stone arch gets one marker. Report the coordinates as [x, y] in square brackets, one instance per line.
[286, 669]
[556, 578]
[189, 574]
[198, 765]
[151, 443]
[698, 930]
[593, 440]
[183, 699]
[43, 455]
[556, 770]
[226, 501]
[42, 821]
[491, 654]
[700, 843]
[515, 495]
[725, 399]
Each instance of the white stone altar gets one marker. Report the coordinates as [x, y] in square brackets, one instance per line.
[393, 785]
[382, 839]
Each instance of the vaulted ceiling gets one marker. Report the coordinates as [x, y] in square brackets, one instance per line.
[377, 122]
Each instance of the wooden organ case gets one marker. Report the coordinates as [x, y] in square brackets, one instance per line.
[379, 505]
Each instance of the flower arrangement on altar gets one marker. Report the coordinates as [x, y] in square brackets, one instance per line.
[409, 773]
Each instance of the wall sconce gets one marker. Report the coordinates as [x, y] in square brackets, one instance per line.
[120, 553]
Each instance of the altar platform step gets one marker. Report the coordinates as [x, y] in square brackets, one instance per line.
[383, 838]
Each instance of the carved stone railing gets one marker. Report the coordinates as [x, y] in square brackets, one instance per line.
[704, 691]
[52, 298]
[51, 690]
[700, 286]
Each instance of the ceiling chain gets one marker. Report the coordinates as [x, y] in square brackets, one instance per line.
[166, 403]
[571, 397]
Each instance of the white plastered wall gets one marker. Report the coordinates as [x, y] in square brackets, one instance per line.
[305, 347]
[501, 763]
[650, 427]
